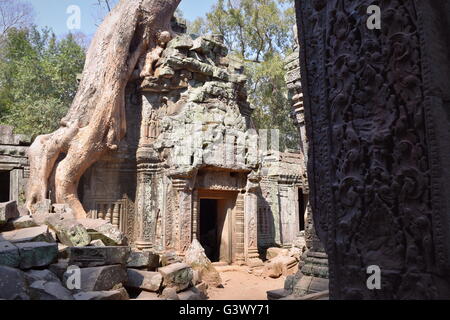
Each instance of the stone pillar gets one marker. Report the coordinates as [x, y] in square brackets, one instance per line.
[376, 111]
[251, 222]
[147, 198]
[183, 187]
[239, 217]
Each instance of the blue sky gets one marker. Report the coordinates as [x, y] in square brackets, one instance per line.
[52, 13]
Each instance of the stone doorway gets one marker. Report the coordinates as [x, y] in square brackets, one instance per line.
[216, 224]
[4, 186]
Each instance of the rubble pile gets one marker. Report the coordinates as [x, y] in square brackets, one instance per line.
[48, 255]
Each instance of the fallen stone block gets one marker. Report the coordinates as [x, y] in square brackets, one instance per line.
[49, 290]
[69, 232]
[192, 294]
[178, 276]
[102, 230]
[8, 211]
[196, 258]
[13, 284]
[102, 295]
[170, 294]
[59, 268]
[24, 222]
[9, 255]
[280, 266]
[203, 288]
[275, 252]
[41, 210]
[98, 256]
[97, 243]
[145, 280]
[149, 296]
[99, 278]
[41, 275]
[37, 254]
[35, 234]
[277, 294]
[169, 258]
[143, 259]
[63, 210]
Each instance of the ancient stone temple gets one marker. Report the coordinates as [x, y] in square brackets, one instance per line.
[189, 167]
[282, 199]
[376, 111]
[13, 165]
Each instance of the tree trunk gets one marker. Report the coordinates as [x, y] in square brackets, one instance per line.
[96, 120]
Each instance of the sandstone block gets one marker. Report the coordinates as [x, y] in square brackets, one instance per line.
[275, 252]
[192, 294]
[8, 211]
[41, 275]
[24, 222]
[37, 254]
[178, 276]
[9, 255]
[105, 231]
[13, 284]
[280, 265]
[143, 259]
[102, 295]
[97, 243]
[35, 234]
[100, 278]
[98, 256]
[170, 294]
[69, 232]
[145, 280]
[145, 295]
[59, 268]
[46, 290]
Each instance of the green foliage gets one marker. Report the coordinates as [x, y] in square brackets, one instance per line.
[259, 32]
[38, 79]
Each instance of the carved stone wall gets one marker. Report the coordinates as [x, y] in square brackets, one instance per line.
[377, 118]
[13, 164]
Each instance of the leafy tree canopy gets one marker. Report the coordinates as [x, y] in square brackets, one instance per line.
[38, 79]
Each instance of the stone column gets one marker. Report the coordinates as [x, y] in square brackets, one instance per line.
[376, 111]
[183, 187]
[251, 222]
[146, 198]
[239, 217]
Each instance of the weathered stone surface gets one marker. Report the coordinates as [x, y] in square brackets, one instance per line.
[105, 231]
[64, 210]
[59, 268]
[196, 258]
[41, 275]
[9, 255]
[97, 243]
[8, 210]
[168, 258]
[275, 252]
[37, 254]
[41, 208]
[177, 276]
[49, 290]
[277, 294]
[145, 280]
[143, 259]
[100, 278]
[69, 232]
[280, 265]
[98, 256]
[36, 234]
[102, 295]
[13, 284]
[145, 295]
[169, 294]
[192, 294]
[24, 222]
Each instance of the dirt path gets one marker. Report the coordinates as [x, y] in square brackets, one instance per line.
[239, 284]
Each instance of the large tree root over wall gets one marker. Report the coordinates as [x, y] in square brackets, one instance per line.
[96, 120]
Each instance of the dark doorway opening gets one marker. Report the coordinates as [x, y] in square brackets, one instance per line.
[301, 209]
[4, 186]
[208, 228]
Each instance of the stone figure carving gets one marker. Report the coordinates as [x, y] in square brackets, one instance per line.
[376, 111]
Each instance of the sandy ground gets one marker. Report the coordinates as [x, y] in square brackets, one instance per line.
[239, 284]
